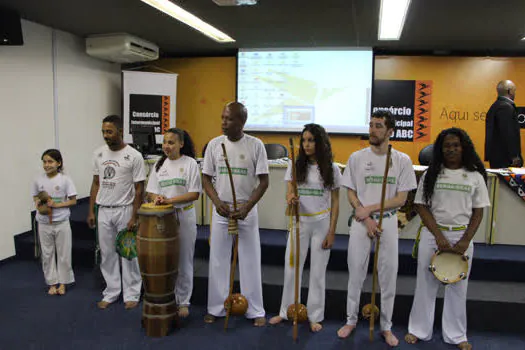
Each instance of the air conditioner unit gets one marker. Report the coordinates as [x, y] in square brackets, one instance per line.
[121, 48]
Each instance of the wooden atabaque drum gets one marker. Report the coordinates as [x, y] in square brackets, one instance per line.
[158, 255]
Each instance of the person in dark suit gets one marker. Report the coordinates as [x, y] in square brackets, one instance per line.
[502, 130]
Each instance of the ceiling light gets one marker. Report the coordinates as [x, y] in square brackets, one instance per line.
[186, 17]
[392, 17]
[235, 2]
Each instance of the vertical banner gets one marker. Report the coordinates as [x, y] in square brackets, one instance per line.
[149, 103]
[423, 103]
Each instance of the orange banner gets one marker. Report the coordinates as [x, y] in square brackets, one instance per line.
[422, 110]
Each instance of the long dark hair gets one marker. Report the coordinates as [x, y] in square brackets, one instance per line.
[323, 155]
[469, 160]
[188, 149]
[56, 156]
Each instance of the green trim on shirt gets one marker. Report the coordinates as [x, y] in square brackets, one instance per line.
[378, 180]
[310, 192]
[235, 171]
[173, 182]
[453, 187]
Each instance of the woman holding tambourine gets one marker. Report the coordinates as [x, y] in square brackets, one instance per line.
[450, 199]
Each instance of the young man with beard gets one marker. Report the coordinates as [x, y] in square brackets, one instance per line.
[363, 177]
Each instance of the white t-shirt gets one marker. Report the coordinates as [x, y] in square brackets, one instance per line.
[247, 158]
[365, 170]
[455, 194]
[117, 172]
[175, 178]
[59, 188]
[313, 196]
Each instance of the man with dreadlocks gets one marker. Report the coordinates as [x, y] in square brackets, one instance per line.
[450, 199]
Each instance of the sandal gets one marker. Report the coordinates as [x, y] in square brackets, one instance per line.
[61, 290]
[183, 312]
[259, 321]
[465, 345]
[52, 290]
[209, 318]
[410, 338]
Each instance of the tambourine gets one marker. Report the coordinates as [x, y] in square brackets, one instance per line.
[126, 244]
[449, 267]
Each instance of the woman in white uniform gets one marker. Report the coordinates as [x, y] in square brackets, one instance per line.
[318, 181]
[176, 180]
[450, 199]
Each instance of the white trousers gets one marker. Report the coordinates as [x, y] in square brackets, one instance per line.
[110, 222]
[454, 320]
[187, 238]
[312, 234]
[359, 246]
[55, 244]
[249, 264]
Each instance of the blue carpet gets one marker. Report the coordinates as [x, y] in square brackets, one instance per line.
[30, 319]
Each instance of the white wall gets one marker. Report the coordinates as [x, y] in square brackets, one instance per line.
[87, 90]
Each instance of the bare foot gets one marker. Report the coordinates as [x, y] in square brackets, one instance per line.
[183, 312]
[345, 331]
[411, 339]
[276, 320]
[315, 327]
[390, 338]
[465, 345]
[52, 290]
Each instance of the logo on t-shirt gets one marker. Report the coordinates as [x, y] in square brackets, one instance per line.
[109, 173]
[241, 157]
[57, 188]
[126, 157]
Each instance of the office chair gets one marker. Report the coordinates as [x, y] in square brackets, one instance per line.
[275, 151]
[425, 155]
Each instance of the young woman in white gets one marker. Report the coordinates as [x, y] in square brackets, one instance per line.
[54, 231]
[318, 181]
[176, 180]
[450, 199]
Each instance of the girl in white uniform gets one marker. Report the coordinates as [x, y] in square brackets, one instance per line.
[55, 234]
[318, 181]
[450, 199]
[176, 180]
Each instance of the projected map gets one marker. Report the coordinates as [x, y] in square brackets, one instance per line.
[287, 89]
